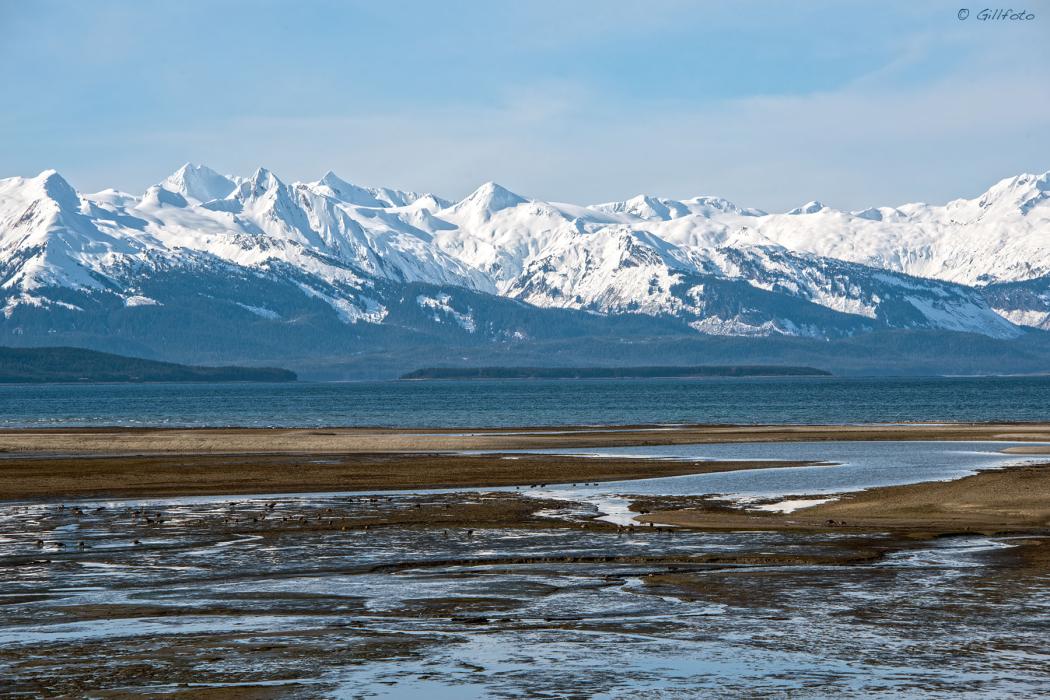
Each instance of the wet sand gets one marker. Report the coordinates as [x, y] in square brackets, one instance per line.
[1016, 499]
[233, 441]
[75, 463]
[1028, 450]
[465, 595]
[174, 475]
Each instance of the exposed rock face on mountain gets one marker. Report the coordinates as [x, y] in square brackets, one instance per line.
[210, 260]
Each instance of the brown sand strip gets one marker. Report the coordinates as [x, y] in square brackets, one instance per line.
[169, 475]
[1029, 450]
[77, 441]
[1007, 500]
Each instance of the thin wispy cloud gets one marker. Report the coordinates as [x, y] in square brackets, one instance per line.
[765, 104]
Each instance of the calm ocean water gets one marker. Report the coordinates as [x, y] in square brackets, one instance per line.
[529, 403]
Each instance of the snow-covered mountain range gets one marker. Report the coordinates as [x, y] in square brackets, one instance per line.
[699, 266]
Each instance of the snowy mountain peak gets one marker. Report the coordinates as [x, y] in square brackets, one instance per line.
[263, 179]
[21, 197]
[198, 183]
[402, 198]
[261, 183]
[648, 207]
[489, 199]
[807, 208]
[57, 188]
[331, 185]
[335, 187]
[660, 209]
[879, 214]
[335, 183]
[158, 196]
[716, 203]
[429, 202]
[1022, 192]
[643, 206]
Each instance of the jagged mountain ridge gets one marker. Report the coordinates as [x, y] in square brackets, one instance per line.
[704, 265]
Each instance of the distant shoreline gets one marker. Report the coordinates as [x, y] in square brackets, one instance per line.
[636, 372]
[68, 365]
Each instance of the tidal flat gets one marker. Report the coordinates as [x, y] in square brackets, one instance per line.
[923, 588]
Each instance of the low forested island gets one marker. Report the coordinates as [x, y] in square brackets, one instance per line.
[64, 364]
[649, 372]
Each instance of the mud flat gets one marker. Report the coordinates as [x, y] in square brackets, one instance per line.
[208, 474]
[68, 463]
[935, 588]
[467, 594]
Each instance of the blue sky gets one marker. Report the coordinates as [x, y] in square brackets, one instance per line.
[767, 103]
